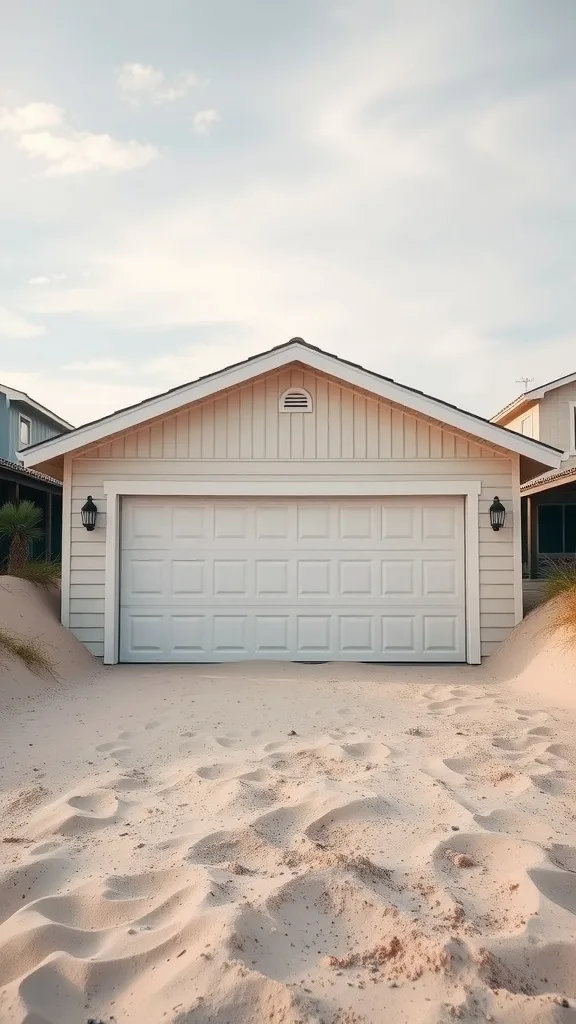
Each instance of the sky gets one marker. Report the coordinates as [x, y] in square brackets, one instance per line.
[184, 184]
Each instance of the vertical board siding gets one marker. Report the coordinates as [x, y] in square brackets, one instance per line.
[555, 417]
[246, 423]
[241, 433]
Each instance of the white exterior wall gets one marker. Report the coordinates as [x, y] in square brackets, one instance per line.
[516, 423]
[241, 435]
[556, 413]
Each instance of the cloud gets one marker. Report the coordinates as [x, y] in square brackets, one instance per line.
[95, 365]
[30, 117]
[143, 81]
[139, 78]
[16, 327]
[79, 399]
[68, 151]
[80, 152]
[205, 120]
[42, 279]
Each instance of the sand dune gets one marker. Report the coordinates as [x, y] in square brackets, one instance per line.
[287, 844]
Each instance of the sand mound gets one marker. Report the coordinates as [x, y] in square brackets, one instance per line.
[537, 661]
[286, 844]
[32, 612]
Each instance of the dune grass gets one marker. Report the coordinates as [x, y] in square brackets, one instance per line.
[560, 590]
[28, 650]
[42, 572]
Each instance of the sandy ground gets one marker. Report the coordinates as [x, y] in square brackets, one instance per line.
[280, 843]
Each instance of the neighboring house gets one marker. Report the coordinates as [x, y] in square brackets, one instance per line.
[294, 506]
[24, 422]
[547, 413]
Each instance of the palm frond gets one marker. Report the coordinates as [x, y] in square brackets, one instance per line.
[21, 519]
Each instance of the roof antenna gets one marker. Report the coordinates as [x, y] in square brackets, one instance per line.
[525, 381]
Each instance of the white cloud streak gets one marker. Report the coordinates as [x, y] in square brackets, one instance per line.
[15, 327]
[140, 82]
[67, 151]
[205, 120]
[30, 118]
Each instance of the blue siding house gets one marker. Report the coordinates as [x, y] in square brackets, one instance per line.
[24, 422]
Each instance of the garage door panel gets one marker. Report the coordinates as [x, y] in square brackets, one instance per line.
[314, 577]
[189, 523]
[440, 633]
[223, 580]
[273, 523]
[272, 578]
[313, 635]
[400, 522]
[231, 634]
[356, 523]
[398, 578]
[188, 577]
[399, 636]
[440, 578]
[272, 635]
[356, 578]
[356, 635]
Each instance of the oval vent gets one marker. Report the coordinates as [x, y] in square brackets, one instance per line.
[296, 400]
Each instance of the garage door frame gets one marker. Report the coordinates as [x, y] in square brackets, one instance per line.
[116, 489]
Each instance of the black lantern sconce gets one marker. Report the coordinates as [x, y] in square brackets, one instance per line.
[89, 513]
[497, 514]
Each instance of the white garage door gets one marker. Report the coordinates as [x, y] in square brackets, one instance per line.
[224, 579]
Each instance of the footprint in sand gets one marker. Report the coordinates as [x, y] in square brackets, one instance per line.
[518, 743]
[42, 877]
[518, 969]
[79, 814]
[113, 749]
[216, 771]
[563, 856]
[557, 886]
[488, 875]
[563, 751]
[513, 823]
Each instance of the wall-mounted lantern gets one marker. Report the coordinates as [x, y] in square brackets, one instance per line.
[89, 513]
[497, 514]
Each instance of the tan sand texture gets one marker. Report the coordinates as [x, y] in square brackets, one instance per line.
[285, 844]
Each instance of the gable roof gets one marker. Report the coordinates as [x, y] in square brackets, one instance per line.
[534, 395]
[22, 397]
[9, 469]
[276, 358]
[566, 474]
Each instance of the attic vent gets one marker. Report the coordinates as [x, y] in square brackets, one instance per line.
[296, 400]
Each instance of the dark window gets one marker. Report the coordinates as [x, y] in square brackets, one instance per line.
[570, 529]
[551, 529]
[557, 529]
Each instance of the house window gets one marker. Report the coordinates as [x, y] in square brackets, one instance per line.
[25, 431]
[573, 427]
[557, 529]
[527, 426]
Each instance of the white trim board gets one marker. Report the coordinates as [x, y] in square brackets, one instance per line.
[66, 542]
[517, 527]
[276, 359]
[115, 489]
